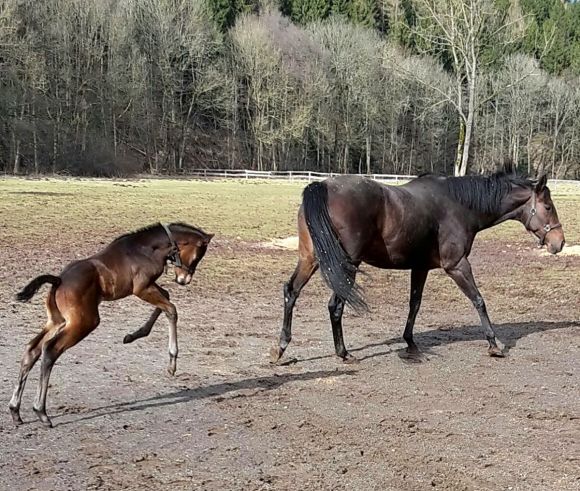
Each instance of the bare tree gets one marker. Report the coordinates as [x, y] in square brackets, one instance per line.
[465, 30]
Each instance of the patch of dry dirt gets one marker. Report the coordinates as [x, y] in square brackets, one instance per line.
[231, 421]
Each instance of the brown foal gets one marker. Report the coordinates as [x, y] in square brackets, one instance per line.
[130, 265]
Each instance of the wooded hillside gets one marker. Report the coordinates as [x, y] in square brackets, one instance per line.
[114, 87]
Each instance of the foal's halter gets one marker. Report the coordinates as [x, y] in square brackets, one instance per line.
[545, 228]
[173, 255]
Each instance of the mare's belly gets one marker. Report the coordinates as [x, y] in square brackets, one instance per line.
[402, 256]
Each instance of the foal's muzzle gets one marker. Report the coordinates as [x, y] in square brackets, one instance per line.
[183, 279]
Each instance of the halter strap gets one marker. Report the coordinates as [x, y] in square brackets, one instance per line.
[546, 227]
[173, 255]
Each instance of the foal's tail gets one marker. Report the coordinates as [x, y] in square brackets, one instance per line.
[29, 290]
[336, 266]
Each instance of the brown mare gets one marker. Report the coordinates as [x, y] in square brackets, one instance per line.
[130, 265]
[428, 223]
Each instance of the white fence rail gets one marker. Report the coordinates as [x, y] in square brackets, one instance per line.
[316, 176]
[285, 175]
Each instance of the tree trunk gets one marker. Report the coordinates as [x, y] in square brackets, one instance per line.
[368, 153]
[470, 123]
[460, 147]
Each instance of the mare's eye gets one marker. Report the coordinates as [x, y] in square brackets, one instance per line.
[548, 207]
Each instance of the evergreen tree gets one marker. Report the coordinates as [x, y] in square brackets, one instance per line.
[364, 13]
[222, 12]
[306, 11]
[340, 7]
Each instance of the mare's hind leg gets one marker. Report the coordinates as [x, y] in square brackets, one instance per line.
[418, 278]
[155, 295]
[336, 309]
[304, 270]
[462, 275]
[145, 329]
[79, 324]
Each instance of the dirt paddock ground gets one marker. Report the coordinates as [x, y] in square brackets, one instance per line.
[229, 420]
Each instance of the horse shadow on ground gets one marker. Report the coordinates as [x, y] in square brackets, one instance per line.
[509, 334]
[258, 384]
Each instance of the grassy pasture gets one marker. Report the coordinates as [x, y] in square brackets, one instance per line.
[54, 210]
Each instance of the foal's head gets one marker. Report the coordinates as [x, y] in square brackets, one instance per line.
[192, 244]
[541, 219]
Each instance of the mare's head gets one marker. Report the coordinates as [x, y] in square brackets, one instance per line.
[540, 217]
[192, 244]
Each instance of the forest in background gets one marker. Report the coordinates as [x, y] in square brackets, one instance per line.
[118, 87]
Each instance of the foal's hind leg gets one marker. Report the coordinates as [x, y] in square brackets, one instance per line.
[304, 270]
[145, 329]
[155, 295]
[336, 309]
[29, 358]
[31, 354]
[462, 275]
[78, 325]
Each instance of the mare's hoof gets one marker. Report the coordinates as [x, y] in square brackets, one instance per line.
[412, 356]
[44, 419]
[495, 352]
[16, 416]
[128, 339]
[350, 360]
[275, 354]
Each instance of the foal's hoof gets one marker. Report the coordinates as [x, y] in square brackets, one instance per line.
[44, 419]
[128, 339]
[275, 354]
[16, 416]
[350, 360]
[495, 352]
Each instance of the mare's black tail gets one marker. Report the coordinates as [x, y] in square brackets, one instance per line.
[29, 290]
[336, 266]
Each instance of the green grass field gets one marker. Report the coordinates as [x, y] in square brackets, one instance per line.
[47, 210]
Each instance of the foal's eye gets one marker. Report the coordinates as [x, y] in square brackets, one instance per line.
[548, 207]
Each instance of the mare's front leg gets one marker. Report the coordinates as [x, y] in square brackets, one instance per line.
[145, 329]
[155, 295]
[463, 276]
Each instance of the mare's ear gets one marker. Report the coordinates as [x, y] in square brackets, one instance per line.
[541, 184]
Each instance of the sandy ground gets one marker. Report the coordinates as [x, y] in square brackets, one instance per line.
[230, 421]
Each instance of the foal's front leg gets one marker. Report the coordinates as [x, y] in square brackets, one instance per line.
[155, 295]
[463, 276]
[145, 329]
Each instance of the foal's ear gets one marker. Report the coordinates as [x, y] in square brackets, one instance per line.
[541, 184]
[206, 240]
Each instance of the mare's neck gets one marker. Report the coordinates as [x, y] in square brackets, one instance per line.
[511, 208]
